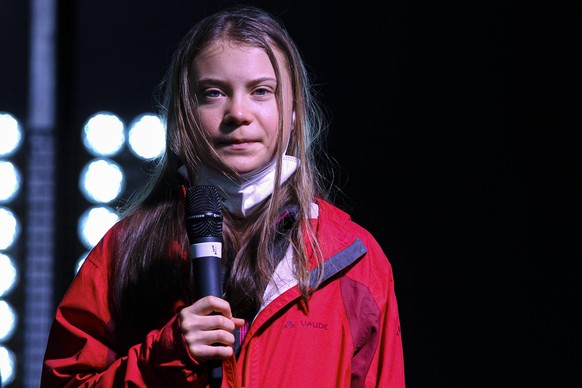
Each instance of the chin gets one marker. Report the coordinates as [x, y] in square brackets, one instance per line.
[246, 168]
[245, 171]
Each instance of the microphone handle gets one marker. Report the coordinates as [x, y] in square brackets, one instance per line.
[206, 276]
[214, 368]
[208, 280]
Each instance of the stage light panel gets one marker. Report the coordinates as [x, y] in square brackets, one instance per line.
[11, 134]
[11, 181]
[147, 136]
[9, 228]
[101, 181]
[7, 365]
[104, 134]
[94, 223]
[8, 320]
[8, 274]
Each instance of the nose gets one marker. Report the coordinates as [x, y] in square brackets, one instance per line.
[237, 112]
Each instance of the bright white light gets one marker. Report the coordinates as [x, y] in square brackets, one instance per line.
[8, 320]
[101, 181]
[8, 274]
[10, 133]
[94, 223]
[7, 366]
[10, 178]
[103, 134]
[81, 261]
[9, 228]
[147, 136]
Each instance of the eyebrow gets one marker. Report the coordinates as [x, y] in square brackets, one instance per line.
[216, 81]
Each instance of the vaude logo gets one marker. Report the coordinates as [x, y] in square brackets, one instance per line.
[305, 324]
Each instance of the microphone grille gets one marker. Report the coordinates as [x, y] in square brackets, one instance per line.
[203, 212]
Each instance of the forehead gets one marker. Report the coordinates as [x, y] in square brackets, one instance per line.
[237, 53]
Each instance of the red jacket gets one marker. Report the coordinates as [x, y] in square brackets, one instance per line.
[349, 338]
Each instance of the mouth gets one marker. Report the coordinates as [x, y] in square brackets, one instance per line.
[235, 143]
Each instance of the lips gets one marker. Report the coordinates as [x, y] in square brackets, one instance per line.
[235, 143]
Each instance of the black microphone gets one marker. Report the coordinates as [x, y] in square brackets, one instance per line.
[204, 228]
[203, 218]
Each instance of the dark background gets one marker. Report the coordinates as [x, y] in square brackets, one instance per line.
[455, 124]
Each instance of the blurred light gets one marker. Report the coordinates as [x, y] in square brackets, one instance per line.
[7, 366]
[103, 134]
[147, 136]
[81, 261]
[8, 274]
[9, 228]
[94, 223]
[10, 133]
[8, 320]
[10, 178]
[101, 181]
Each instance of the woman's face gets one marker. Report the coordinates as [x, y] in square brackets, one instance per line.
[237, 106]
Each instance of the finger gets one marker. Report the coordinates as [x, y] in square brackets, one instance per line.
[200, 323]
[207, 345]
[209, 337]
[238, 322]
[206, 352]
[211, 304]
[219, 322]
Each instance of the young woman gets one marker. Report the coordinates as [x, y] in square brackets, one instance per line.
[308, 294]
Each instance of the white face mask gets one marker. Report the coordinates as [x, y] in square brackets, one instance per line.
[241, 197]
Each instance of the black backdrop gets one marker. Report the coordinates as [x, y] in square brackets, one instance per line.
[455, 125]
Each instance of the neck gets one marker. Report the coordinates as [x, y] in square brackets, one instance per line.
[241, 196]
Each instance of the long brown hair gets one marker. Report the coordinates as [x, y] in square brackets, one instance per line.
[151, 246]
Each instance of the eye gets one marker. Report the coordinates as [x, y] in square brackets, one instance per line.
[262, 92]
[211, 93]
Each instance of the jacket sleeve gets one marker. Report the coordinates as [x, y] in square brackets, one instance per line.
[83, 344]
[387, 368]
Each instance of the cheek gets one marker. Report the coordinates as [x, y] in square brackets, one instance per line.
[209, 122]
[272, 128]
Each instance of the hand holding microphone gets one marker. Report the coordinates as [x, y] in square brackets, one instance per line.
[208, 324]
